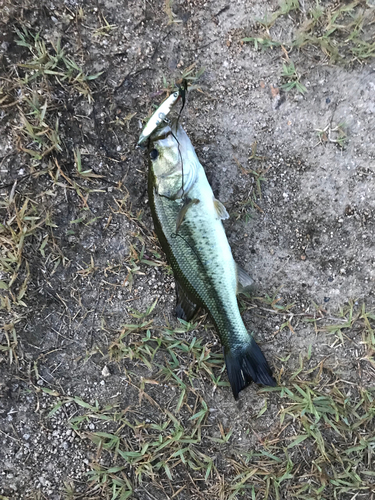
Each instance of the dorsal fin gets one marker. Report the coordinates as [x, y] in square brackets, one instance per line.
[220, 209]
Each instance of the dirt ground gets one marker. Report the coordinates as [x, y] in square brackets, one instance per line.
[103, 393]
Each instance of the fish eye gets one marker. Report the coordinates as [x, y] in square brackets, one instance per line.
[175, 94]
[154, 153]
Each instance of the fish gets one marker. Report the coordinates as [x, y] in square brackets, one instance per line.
[188, 222]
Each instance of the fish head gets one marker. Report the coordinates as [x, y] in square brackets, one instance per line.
[173, 161]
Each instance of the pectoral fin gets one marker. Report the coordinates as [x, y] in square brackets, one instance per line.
[245, 283]
[185, 308]
[220, 209]
[185, 207]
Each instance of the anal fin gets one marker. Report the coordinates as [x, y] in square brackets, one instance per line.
[185, 308]
[245, 283]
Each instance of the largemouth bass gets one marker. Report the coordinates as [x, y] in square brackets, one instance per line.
[188, 223]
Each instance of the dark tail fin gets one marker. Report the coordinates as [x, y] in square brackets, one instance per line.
[247, 364]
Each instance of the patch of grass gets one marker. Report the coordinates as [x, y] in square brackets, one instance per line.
[191, 74]
[286, 6]
[52, 62]
[322, 411]
[255, 194]
[292, 78]
[181, 360]
[172, 17]
[171, 440]
[158, 448]
[110, 479]
[320, 445]
[21, 220]
[35, 136]
[342, 31]
[27, 97]
[38, 133]
[106, 28]
[333, 133]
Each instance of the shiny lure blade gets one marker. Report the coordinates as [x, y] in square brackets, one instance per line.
[158, 117]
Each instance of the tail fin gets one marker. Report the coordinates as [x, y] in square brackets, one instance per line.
[247, 364]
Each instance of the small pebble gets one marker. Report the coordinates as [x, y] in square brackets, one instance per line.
[106, 372]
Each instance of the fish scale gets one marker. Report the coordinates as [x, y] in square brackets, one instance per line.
[199, 252]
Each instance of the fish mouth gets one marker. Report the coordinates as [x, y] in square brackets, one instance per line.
[162, 132]
[171, 133]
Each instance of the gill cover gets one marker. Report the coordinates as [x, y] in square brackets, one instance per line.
[176, 165]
